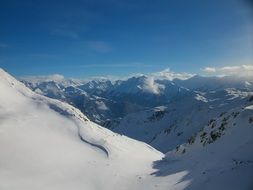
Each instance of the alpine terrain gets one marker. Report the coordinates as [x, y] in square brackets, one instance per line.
[201, 130]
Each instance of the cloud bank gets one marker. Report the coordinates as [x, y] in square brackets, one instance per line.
[239, 70]
[170, 75]
[45, 78]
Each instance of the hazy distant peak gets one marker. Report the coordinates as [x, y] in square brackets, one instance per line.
[45, 78]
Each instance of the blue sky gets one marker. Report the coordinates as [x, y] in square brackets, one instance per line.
[83, 38]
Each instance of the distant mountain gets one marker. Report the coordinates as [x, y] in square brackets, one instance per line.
[167, 126]
[130, 95]
[97, 87]
[215, 83]
[103, 100]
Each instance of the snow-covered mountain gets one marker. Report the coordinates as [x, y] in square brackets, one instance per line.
[165, 127]
[133, 94]
[150, 108]
[49, 144]
[103, 100]
[201, 83]
[218, 157]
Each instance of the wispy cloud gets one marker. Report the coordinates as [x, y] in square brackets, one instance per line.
[100, 46]
[65, 33]
[3, 45]
[238, 70]
[210, 69]
[164, 74]
[68, 20]
[151, 77]
[44, 56]
[170, 75]
[118, 65]
[54, 77]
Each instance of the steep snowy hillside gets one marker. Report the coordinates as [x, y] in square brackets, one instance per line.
[219, 157]
[48, 144]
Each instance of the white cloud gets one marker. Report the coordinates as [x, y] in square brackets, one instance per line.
[151, 86]
[238, 70]
[47, 78]
[164, 74]
[170, 75]
[210, 69]
[127, 65]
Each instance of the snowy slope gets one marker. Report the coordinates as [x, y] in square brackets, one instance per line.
[165, 127]
[48, 144]
[219, 157]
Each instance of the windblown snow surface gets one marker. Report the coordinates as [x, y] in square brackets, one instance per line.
[47, 144]
[50, 145]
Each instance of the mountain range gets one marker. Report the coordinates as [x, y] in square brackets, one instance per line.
[196, 134]
[159, 111]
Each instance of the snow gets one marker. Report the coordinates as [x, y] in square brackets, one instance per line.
[223, 163]
[48, 144]
[200, 98]
[122, 97]
[165, 128]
